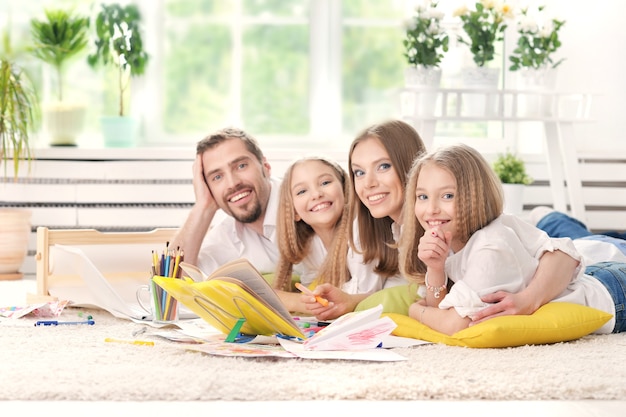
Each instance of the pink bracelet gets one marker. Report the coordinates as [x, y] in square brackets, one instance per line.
[435, 290]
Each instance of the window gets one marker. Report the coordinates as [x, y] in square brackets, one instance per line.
[309, 73]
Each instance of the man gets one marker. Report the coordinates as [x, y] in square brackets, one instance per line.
[231, 174]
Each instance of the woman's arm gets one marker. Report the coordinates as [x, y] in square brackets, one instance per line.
[553, 275]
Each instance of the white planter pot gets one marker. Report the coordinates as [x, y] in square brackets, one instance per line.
[480, 104]
[421, 76]
[538, 83]
[63, 122]
[513, 198]
[420, 99]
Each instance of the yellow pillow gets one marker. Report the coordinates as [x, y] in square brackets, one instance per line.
[554, 322]
[394, 299]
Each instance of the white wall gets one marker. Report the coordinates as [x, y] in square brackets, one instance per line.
[593, 40]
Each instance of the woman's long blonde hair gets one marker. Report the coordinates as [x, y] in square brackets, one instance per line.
[376, 241]
[294, 237]
[478, 201]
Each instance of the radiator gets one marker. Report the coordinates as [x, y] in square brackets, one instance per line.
[143, 194]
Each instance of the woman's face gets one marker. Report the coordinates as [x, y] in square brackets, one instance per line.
[376, 180]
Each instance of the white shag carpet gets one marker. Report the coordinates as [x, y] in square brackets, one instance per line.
[74, 363]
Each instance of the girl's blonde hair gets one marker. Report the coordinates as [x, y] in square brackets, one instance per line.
[376, 242]
[478, 201]
[294, 237]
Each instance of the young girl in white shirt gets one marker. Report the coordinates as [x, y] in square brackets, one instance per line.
[456, 232]
[312, 229]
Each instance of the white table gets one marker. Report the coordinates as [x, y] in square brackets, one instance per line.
[557, 111]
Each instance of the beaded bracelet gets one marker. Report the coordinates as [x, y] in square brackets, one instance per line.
[435, 290]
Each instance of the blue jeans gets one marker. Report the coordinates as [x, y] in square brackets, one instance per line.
[613, 276]
[558, 224]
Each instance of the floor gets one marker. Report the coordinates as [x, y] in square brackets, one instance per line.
[14, 292]
[322, 408]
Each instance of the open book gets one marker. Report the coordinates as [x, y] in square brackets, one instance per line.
[238, 291]
[235, 291]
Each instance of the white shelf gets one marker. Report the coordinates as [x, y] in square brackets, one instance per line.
[504, 105]
[424, 107]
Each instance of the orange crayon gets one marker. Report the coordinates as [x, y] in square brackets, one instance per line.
[307, 291]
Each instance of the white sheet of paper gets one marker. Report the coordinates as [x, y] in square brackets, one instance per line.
[376, 355]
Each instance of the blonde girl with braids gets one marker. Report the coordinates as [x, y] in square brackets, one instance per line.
[312, 228]
[454, 230]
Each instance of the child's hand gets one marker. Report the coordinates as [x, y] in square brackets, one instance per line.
[339, 302]
[434, 247]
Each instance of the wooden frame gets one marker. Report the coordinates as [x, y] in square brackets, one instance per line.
[49, 237]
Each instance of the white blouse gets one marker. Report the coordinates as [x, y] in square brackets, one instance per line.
[504, 255]
[363, 278]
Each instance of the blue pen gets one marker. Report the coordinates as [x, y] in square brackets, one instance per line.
[59, 323]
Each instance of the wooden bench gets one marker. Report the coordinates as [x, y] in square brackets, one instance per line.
[47, 238]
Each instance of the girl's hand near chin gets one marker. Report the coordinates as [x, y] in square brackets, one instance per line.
[433, 248]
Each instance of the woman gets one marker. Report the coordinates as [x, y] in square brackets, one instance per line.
[379, 160]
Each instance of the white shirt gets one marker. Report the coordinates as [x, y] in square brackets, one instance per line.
[363, 278]
[595, 251]
[504, 255]
[229, 239]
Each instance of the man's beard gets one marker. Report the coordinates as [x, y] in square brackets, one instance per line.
[249, 216]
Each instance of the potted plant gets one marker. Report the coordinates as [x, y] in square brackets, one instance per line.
[424, 45]
[532, 60]
[483, 27]
[512, 173]
[18, 118]
[536, 43]
[119, 44]
[58, 39]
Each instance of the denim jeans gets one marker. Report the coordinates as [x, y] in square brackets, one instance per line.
[613, 276]
[557, 224]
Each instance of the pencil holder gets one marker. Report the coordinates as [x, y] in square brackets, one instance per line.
[161, 305]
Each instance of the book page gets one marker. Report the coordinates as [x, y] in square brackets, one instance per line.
[356, 330]
[245, 272]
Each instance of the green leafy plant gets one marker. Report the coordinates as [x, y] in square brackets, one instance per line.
[19, 111]
[536, 42]
[59, 38]
[511, 169]
[118, 42]
[425, 40]
[484, 26]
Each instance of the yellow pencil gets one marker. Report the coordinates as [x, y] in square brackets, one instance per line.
[176, 263]
[167, 313]
[130, 342]
[155, 262]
